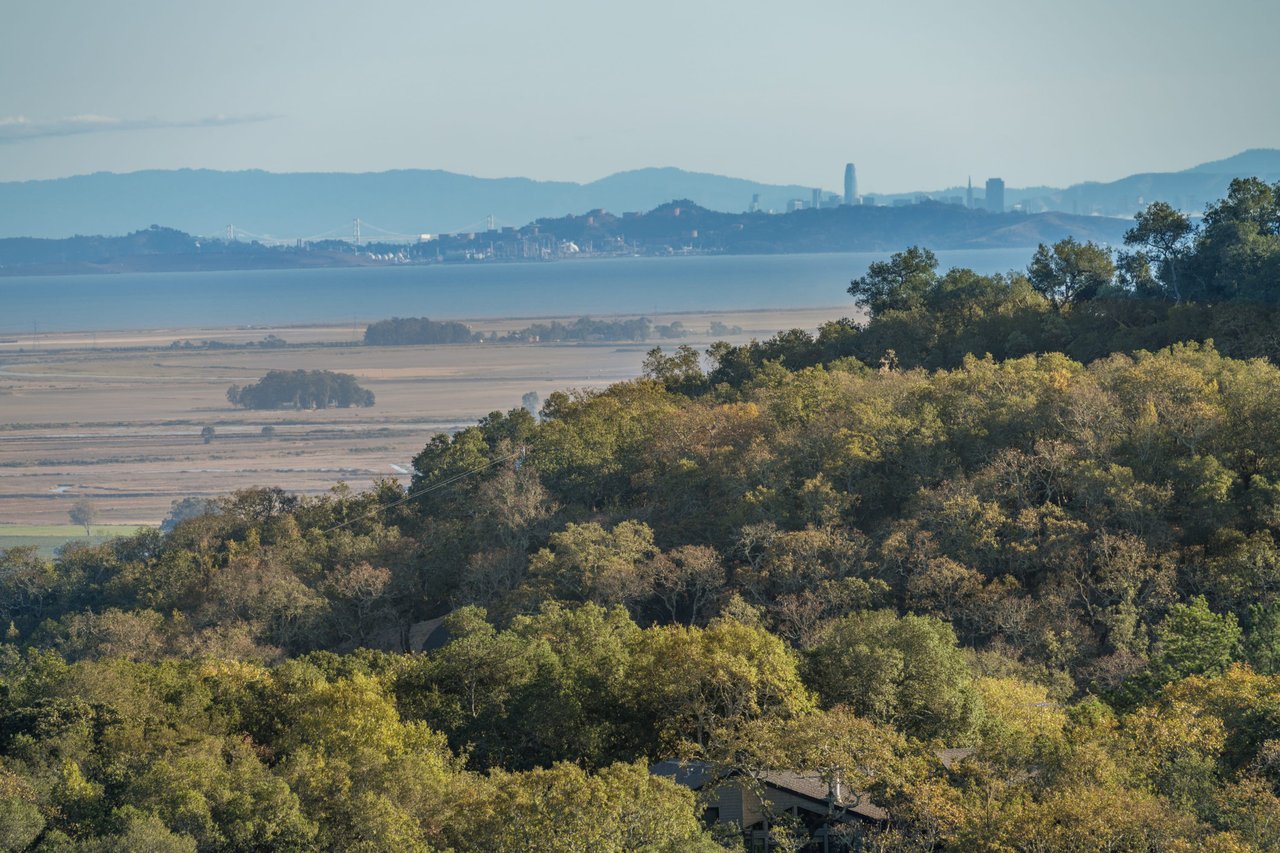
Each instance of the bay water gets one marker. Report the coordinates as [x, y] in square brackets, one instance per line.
[448, 291]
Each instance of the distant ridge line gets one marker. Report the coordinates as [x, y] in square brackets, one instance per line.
[409, 201]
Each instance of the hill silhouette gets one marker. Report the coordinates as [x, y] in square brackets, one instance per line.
[415, 201]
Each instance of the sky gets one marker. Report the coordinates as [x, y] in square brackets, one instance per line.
[920, 94]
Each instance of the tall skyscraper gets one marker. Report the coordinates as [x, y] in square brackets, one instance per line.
[968, 194]
[817, 199]
[850, 184]
[995, 195]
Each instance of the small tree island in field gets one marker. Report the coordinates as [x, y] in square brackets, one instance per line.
[301, 389]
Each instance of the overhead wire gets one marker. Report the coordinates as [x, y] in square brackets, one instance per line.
[420, 492]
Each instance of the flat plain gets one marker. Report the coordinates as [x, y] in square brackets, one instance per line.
[117, 417]
[47, 538]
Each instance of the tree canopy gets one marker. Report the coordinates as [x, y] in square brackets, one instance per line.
[1015, 598]
[301, 389]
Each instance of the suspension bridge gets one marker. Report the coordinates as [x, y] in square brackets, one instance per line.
[359, 231]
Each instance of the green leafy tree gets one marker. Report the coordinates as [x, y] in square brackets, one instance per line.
[301, 389]
[618, 809]
[680, 372]
[28, 584]
[1237, 250]
[1262, 643]
[1193, 640]
[21, 821]
[689, 685]
[906, 671]
[578, 704]
[586, 562]
[1069, 273]
[1163, 232]
[898, 284]
[469, 687]
[142, 832]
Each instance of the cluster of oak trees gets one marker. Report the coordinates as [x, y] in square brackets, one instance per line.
[796, 555]
[301, 389]
[401, 331]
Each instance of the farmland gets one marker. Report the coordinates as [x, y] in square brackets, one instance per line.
[117, 418]
[47, 538]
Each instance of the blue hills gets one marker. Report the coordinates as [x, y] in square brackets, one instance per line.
[414, 201]
[310, 204]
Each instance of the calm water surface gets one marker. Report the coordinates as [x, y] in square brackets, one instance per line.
[602, 286]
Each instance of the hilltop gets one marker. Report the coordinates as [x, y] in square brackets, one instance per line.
[414, 201]
[670, 228]
[306, 204]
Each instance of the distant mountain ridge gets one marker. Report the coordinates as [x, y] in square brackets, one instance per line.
[413, 201]
[1189, 190]
[313, 204]
[1252, 161]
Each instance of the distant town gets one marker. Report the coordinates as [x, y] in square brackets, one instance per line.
[675, 228]
[802, 221]
[992, 200]
[601, 233]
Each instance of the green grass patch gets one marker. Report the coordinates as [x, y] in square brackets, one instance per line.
[50, 537]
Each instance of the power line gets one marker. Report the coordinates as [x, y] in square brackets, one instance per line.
[421, 492]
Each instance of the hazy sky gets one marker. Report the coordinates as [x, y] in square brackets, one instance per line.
[919, 93]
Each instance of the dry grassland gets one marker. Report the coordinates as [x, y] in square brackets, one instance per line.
[117, 417]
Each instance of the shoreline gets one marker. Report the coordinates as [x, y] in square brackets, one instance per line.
[130, 265]
[351, 334]
[117, 417]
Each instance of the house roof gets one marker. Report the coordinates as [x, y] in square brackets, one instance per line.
[695, 774]
[691, 774]
[813, 787]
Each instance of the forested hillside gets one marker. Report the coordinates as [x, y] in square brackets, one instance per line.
[1032, 516]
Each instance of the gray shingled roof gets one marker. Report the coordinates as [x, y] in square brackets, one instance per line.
[695, 774]
[812, 786]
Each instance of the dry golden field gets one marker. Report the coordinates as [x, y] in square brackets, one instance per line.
[117, 416]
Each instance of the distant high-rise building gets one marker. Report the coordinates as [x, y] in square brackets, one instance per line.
[968, 194]
[755, 202]
[850, 184]
[817, 199]
[995, 195]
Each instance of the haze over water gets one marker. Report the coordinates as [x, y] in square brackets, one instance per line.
[596, 287]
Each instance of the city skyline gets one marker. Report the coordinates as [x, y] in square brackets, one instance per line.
[290, 87]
